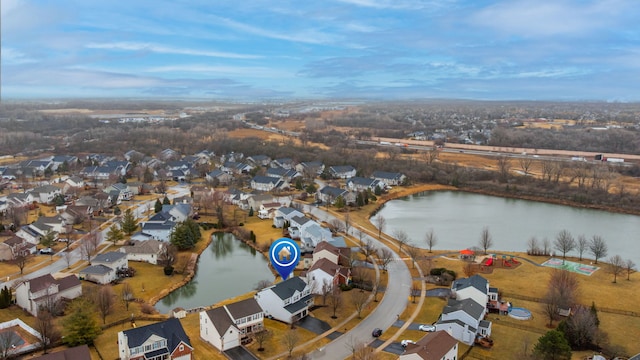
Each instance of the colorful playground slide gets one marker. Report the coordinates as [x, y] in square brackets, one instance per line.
[489, 262]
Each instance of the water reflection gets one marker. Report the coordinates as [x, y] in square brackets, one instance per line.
[226, 269]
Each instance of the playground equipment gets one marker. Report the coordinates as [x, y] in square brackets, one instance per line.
[489, 262]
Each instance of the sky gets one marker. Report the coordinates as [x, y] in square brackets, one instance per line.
[330, 49]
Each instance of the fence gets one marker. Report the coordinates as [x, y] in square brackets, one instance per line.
[601, 309]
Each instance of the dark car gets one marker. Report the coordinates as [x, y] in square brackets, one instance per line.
[376, 332]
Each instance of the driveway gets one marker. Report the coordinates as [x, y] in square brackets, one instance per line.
[393, 303]
[314, 325]
[239, 353]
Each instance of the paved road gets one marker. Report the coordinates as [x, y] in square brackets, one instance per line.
[393, 303]
[76, 255]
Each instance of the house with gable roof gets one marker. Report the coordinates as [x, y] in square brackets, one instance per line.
[45, 290]
[324, 272]
[80, 352]
[310, 168]
[104, 267]
[284, 214]
[287, 301]
[164, 340]
[359, 183]
[438, 345]
[222, 177]
[312, 235]
[145, 251]
[342, 171]
[46, 193]
[389, 178]
[329, 194]
[267, 183]
[464, 320]
[282, 173]
[475, 287]
[230, 326]
[259, 160]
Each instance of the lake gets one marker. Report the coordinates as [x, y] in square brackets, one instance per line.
[226, 268]
[458, 218]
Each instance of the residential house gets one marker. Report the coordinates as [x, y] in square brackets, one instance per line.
[259, 160]
[389, 178]
[282, 173]
[168, 154]
[75, 214]
[285, 163]
[464, 319]
[46, 193]
[220, 176]
[438, 345]
[104, 268]
[59, 160]
[312, 235]
[145, 251]
[359, 184]
[34, 232]
[230, 326]
[329, 194]
[133, 156]
[75, 182]
[310, 169]
[75, 353]
[324, 250]
[298, 224]
[325, 273]
[342, 172]
[284, 214]
[20, 246]
[121, 190]
[164, 340]
[475, 287]
[266, 183]
[287, 301]
[232, 167]
[45, 291]
[255, 201]
[161, 225]
[267, 210]
[20, 200]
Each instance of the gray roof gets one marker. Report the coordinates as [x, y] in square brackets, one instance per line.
[298, 305]
[260, 179]
[289, 210]
[333, 191]
[287, 288]
[476, 281]
[485, 324]
[244, 308]
[96, 269]
[386, 175]
[170, 329]
[456, 321]
[109, 257]
[220, 319]
[75, 353]
[469, 306]
[300, 220]
[342, 169]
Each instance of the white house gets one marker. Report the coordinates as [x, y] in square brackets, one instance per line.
[438, 345]
[287, 301]
[164, 340]
[145, 251]
[104, 267]
[389, 178]
[475, 287]
[342, 172]
[284, 214]
[360, 183]
[230, 325]
[46, 193]
[266, 183]
[324, 250]
[464, 319]
[45, 291]
[312, 235]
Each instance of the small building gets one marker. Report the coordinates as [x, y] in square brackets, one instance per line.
[230, 326]
[104, 267]
[287, 301]
[165, 340]
[75, 353]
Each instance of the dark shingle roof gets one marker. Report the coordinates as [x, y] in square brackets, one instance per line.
[476, 281]
[220, 319]
[170, 329]
[287, 288]
[75, 353]
[244, 308]
[469, 306]
[109, 257]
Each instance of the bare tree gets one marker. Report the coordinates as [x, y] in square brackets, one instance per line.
[105, 301]
[616, 267]
[381, 222]
[431, 155]
[336, 225]
[335, 300]
[385, 255]
[376, 288]
[504, 165]
[367, 248]
[532, 246]
[565, 285]
[486, 241]
[598, 247]
[551, 305]
[20, 260]
[359, 299]
[546, 245]
[582, 245]
[8, 341]
[261, 336]
[630, 267]
[265, 283]
[167, 256]
[581, 327]
[402, 238]
[126, 294]
[49, 334]
[469, 270]
[430, 239]
[87, 248]
[413, 253]
[325, 290]
[67, 257]
[415, 292]
[525, 164]
[564, 243]
[291, 339]
[347, 221]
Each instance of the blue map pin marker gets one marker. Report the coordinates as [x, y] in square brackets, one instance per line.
[284, 254]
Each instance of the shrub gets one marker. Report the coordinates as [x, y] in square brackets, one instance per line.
[168, 270]
[147, 308]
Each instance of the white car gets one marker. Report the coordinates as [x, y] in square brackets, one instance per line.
[426, 327]
[404, 343]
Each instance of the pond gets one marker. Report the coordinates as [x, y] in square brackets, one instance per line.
[226, 268]
[457, 218]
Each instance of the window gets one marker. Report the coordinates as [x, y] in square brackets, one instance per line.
[181, 348]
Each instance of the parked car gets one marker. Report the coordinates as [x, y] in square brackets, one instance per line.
[376, 332]
[425, 327]
[47, 251]
[404, 343]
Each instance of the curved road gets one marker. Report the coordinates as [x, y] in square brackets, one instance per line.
[385, 314]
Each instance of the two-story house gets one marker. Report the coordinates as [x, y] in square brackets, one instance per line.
[342, 172]
[145, 251]
[389, 178]
[283, 215]
[287, 301]
[45, 292]
[229, 326]
[438, 345]
[359, 184]
[266, 183]
[329, 194]
[324, 272]
[164, 340]
[104, 267]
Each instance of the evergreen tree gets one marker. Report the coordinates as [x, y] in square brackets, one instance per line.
[157, 207]
[48, 239]
[147, 177]
[251, 211]
[114, 234]
[129, 223]
[182, 237]
[166, 201]
[553, 346]
[339, 202]
[311, 188]
[594, 311]
[299, 185]
[5, 297]
[377, 190]
[81, 326]
[58, 200]
[117, 211]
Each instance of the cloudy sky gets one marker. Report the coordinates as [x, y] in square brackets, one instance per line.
[278, 49]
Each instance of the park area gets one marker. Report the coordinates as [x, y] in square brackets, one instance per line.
[571, 266]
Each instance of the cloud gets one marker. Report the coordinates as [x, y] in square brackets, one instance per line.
[136, 46]
[398, 4]
[12, 56]
[244, 71]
